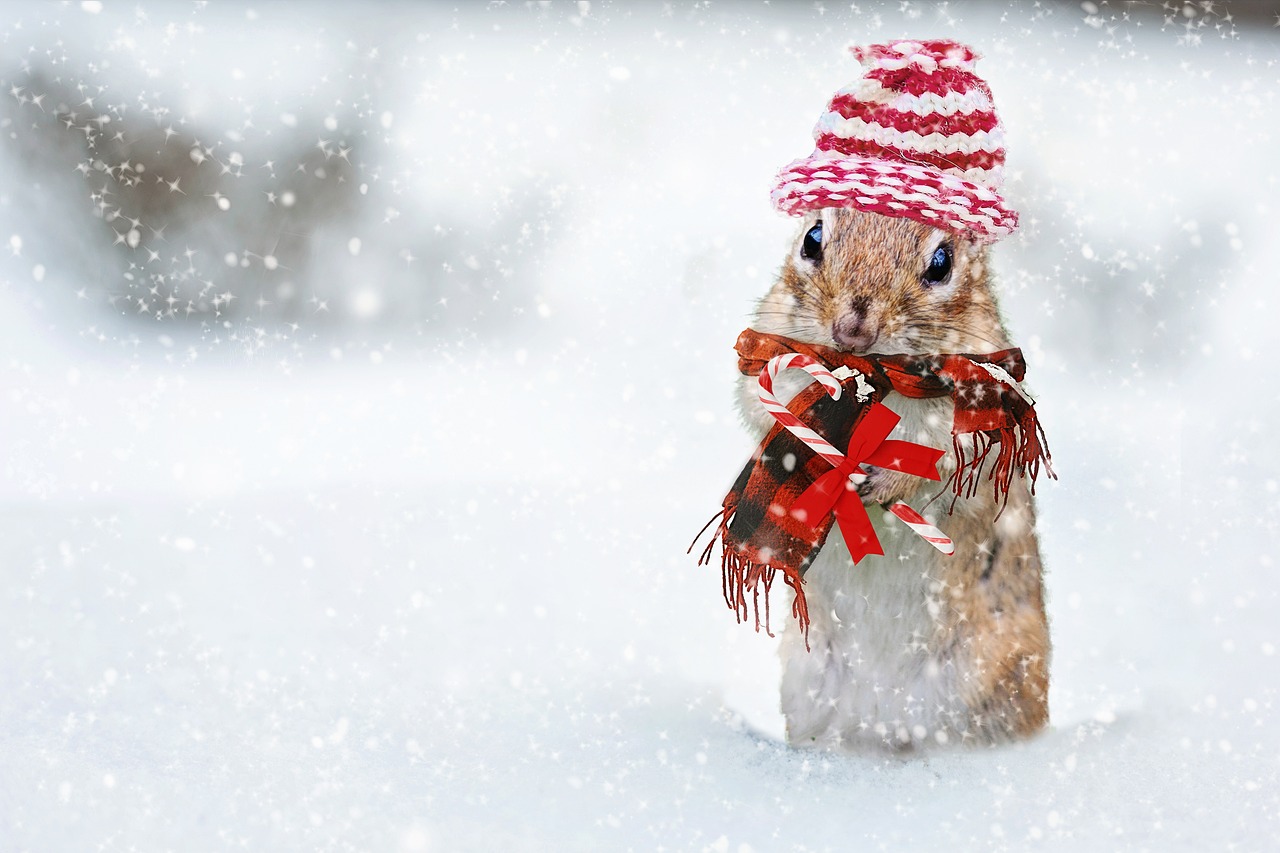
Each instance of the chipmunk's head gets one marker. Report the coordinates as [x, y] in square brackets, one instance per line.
[898, 199]
[863, 282]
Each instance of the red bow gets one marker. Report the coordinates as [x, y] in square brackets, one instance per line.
[832, 491]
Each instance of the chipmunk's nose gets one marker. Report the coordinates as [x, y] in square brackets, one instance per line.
[853, 330]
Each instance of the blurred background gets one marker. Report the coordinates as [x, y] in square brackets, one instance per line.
[368, 370]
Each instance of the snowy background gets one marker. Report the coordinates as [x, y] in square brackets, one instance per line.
[367, 372]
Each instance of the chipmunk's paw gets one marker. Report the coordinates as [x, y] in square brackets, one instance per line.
[880, 486]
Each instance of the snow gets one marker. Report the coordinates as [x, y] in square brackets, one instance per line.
[393, 573]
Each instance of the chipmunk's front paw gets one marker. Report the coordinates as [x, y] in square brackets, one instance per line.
[883, 487]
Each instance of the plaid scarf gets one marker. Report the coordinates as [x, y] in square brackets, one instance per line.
[758, 533]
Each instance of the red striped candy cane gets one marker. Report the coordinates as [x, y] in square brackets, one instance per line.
[819, 445]
[923, 528]
[782, 414]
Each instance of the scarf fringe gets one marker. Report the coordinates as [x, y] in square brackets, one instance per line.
[740, 576]
[1022, 450]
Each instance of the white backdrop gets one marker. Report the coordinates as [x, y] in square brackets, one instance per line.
[345, 505]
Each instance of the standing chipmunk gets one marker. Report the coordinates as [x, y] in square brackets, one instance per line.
[899, 202]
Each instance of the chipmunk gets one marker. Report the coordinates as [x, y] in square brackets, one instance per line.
[913, 646]
[899, 203]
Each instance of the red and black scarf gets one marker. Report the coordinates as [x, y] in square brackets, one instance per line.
[757, 532]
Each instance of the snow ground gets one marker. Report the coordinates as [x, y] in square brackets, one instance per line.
[360, 586]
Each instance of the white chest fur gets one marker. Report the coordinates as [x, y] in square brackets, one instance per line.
[872, 673]
[868, 675]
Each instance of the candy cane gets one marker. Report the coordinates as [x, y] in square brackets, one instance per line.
[923, 528]
[783, 415]
[819, 445]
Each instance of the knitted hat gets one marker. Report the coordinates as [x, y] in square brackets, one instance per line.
[916, 137]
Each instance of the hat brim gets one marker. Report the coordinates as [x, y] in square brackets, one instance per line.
[901, 190]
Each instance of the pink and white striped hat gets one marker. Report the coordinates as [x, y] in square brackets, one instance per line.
[916, 137]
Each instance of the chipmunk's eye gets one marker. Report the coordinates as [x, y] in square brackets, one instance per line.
[939, 265]
[811, 250]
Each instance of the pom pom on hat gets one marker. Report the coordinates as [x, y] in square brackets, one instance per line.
[916, 137]
[927, 55]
